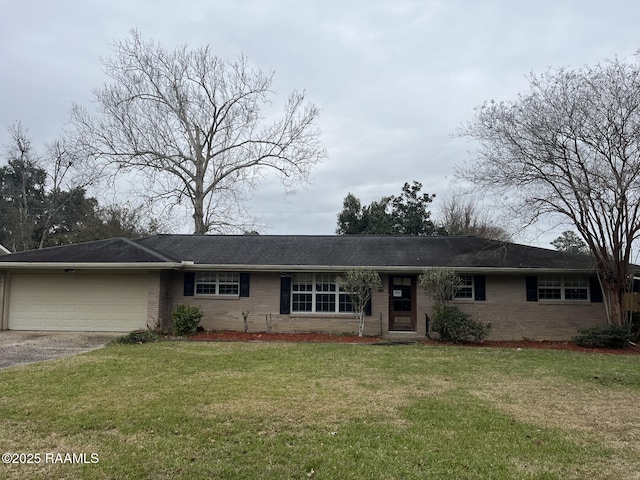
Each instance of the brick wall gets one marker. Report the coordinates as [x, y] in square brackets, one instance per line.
[511, 317]
[3, 315]
[159, 300]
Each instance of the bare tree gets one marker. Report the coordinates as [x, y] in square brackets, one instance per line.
[463, 216]
[68, 177]
[42, 194]
[359, 284]
[22, 190]
[570, 146]
[196, 128]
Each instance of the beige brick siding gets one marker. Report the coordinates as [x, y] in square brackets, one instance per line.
[511, 317]
[3, 315]
[159, 300]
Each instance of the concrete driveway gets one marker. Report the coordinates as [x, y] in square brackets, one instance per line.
[19, 347]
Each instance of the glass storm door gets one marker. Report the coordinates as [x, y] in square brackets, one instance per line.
[402, 303]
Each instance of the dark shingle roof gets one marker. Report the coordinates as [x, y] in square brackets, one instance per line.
[300, 250]
[113, 250]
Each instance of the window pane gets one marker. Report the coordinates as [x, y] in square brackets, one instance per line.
[229, 289]
[345, 303]
[465, 289]
[576, 288]
[217, 283]
[325, 283]
[302, 302]
[549, 294]
[549, 282]
[549, 288]
[325, 303]
[206, 283]
[228, 283]
[206, 288]
[575, 294]
[302, 282]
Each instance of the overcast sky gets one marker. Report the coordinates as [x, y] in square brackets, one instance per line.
[393, 79]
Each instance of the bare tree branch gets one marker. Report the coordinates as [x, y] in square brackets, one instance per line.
[195, 127]
[571, 146]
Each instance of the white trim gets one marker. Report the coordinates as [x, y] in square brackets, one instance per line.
[187, 265]
[410, 270]
[90, 265]
[216, 283]
[471, 286]
[314, 294]
[563, 289]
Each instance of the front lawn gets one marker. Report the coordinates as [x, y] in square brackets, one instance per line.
[324, 411]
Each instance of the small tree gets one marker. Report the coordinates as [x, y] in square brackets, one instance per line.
[441, 284]
[453, 325]
[358, 283]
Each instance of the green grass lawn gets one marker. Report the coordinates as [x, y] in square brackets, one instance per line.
[329, 411]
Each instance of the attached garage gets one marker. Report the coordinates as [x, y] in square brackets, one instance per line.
[77, 301]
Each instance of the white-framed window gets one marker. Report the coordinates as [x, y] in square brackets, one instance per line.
[217, 283]
[555, 287]
[318, 293]
[465, 288]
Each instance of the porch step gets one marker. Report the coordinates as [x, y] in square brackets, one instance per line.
[402, 337]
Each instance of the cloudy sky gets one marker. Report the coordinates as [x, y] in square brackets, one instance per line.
[393, 79]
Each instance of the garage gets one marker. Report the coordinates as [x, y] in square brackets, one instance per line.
[76, 301]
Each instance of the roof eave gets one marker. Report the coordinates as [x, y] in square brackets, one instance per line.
[379, 268]
[409, 269]
[90, 265]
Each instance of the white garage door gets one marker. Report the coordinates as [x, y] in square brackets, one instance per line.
[77, 302]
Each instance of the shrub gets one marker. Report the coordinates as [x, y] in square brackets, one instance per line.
[455, 326]
[186, 319]
[611, 336]
[137, 336]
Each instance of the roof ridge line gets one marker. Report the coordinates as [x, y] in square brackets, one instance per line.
[148, 250]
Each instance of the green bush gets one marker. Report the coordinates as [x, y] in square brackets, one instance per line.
[186, 319]
[137, 336]
[455, 326]
[611, 336]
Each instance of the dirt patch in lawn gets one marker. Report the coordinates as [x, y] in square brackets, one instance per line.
[230, 336]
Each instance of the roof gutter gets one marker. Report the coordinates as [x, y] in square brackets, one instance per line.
[189, 265]
[378, 268]
[90, 265]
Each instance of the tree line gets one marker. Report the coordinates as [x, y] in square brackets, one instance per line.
[42, 207]
[409, 214]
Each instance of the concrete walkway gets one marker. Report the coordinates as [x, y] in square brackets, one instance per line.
[22, 347]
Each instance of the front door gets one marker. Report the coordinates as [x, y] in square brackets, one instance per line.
[402, 303]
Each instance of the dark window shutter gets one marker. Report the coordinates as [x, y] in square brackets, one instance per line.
[532, 288]
[595, 290]
[189, 284]
[285, 294]
[479, 286]
[367, 308]
[244, 284]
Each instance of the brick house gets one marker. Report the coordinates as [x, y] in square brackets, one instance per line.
[288, 283]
